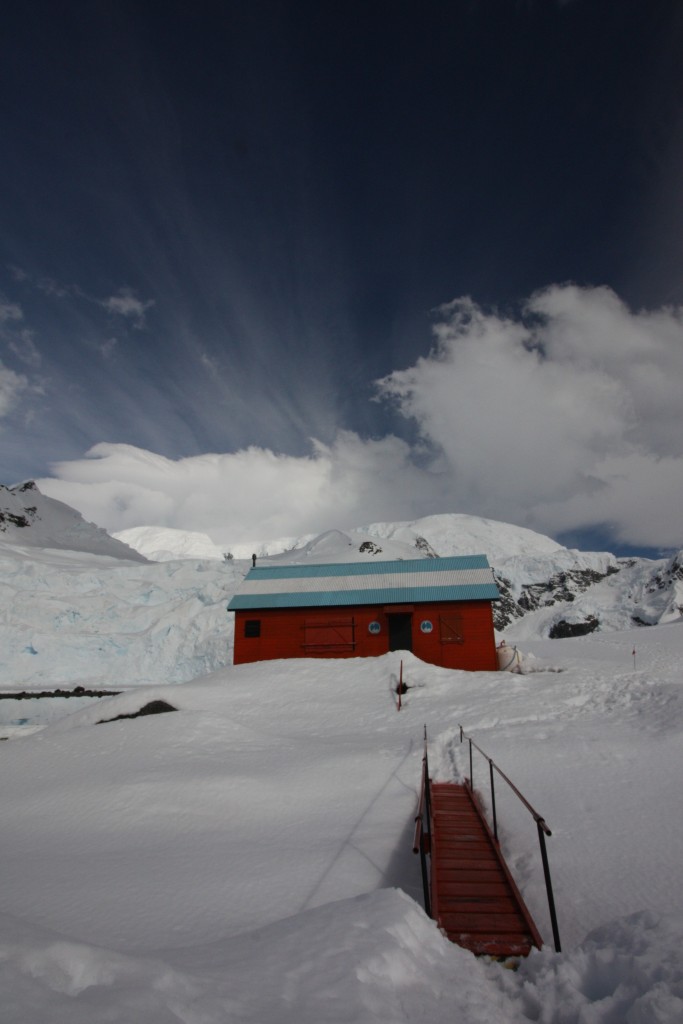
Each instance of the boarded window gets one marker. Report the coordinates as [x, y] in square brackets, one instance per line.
[252, 627]
[450, 629]
[330, 635]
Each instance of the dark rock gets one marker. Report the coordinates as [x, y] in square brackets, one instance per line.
[507, 609]
[562, 586]
[563, 629]
[425, 547]
[369, 546]
[155, 707]
[8, 517]
[78, 691]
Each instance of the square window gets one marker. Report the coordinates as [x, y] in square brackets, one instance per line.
[252, 627]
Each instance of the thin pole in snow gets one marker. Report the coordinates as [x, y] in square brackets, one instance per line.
[634, 659]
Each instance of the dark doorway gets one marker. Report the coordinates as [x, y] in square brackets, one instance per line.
[400, 632]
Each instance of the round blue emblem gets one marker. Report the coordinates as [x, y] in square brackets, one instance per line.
[374, 627]
[426, 626]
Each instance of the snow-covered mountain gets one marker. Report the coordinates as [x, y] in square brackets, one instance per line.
[547, 589]
[164, 544]
[31, 519]
[448, 534]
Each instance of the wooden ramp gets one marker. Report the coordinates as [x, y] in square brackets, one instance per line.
[473, 896]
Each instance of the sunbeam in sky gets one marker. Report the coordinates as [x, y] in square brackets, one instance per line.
[379, 261]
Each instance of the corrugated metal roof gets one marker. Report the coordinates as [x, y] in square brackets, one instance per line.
[399, 565]
[457, 578]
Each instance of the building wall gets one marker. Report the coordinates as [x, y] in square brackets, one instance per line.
[451, 634]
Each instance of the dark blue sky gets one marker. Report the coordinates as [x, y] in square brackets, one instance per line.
[222, 222]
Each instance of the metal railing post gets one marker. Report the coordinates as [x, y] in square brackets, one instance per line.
[549, 888]
[423, 827]
[425, 880]
[493, 802]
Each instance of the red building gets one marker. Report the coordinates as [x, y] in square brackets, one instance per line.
[438, 608]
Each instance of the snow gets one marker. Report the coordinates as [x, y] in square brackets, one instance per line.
[447, 534]
[166, 544]
[248, 856]
[645, 591]
[30, 518]
[457, 534]
[100, 622]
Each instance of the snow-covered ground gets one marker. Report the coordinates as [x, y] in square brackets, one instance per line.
[248, 856]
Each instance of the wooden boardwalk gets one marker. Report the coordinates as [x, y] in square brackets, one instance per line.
[473, 896]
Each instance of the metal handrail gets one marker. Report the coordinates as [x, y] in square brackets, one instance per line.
[541, 825]
[422, 838]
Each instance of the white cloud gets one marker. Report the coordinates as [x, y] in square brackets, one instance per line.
[126, 304]
[565, 417]
[11, 387]
[24, 347]
[17, 338]
[253, 494]
[9, 311]
[556, 418]
[107, 347]
[49, 286]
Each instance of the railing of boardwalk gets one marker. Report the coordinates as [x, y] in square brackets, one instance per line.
[541, 824]
[423, 827]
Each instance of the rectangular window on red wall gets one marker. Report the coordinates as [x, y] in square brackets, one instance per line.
[252, 627]
[330, 634]
[451, 629]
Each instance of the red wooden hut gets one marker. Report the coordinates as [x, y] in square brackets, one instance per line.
[438, 608]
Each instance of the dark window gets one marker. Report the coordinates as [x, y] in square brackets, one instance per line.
[450, 629]
[252, 627]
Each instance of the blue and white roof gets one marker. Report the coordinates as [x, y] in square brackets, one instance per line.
[458, 578]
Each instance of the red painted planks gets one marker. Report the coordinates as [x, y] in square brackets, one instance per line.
[473, 897]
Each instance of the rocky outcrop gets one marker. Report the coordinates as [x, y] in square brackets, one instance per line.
[507, 609]
[31, 519]
[562, 629]
[368, 547]
[425, 548]
[562, 586]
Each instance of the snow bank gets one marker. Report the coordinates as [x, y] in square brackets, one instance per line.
[376, 958]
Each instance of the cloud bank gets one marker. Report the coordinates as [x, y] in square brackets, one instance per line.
[565, 416]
